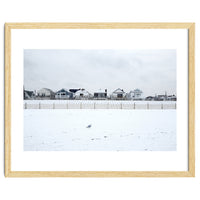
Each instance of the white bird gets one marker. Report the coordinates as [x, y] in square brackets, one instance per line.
[89, 126]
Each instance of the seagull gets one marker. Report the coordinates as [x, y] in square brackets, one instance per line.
[89, 126]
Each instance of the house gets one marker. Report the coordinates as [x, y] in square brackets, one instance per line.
[171, 98]
[118, 94]
[137, 94]
[82, 94]
[29, 94]
[45, 93]
[73, 91]
[134, 95]
[63, 94]
[149, 98]
[162, 97]
[100, 94]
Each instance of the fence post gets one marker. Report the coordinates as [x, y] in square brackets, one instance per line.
[25, 105]
[161, 106]
[121, 105]
[134, 106]
[175, 105]
[39, 106]
[53, 105]
[94, 105]
[107, 105]
[80, 105]
[147, 105]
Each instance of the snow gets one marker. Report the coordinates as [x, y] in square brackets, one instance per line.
[99, 130]
[95, 104]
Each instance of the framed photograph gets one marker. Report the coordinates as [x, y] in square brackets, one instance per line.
[99, 99]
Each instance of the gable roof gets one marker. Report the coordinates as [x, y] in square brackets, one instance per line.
[74, 90]
[63, 90]
[119, 90]
[83, 91]
[47, 90]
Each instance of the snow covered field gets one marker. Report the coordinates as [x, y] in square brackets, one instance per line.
[99, 130]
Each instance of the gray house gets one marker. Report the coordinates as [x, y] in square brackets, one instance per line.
[171, 97]
[63, 94]
[150, 98]
[161, 97]
[28, 95]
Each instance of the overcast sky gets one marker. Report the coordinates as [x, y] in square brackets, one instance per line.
[152, 71]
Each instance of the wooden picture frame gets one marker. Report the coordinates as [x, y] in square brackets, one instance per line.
[191, 100]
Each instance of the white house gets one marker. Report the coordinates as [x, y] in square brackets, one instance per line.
[45, 93]
[135, 95]
[118, 94]
[100, 94]
[82, 94]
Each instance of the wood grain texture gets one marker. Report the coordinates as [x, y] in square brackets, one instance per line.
[99, 174]
[191, 110]
[191, 114]
[7, 122]
[99, 25]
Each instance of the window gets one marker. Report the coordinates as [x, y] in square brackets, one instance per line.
[119, 95]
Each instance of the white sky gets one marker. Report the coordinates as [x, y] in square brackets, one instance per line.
[152, 71]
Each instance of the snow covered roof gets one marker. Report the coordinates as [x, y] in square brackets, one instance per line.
[47, 89]
[119, 91]
[63, 90]
[100, 91]
[82, 91]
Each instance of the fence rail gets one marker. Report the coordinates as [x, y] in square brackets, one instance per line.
[95, 105]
